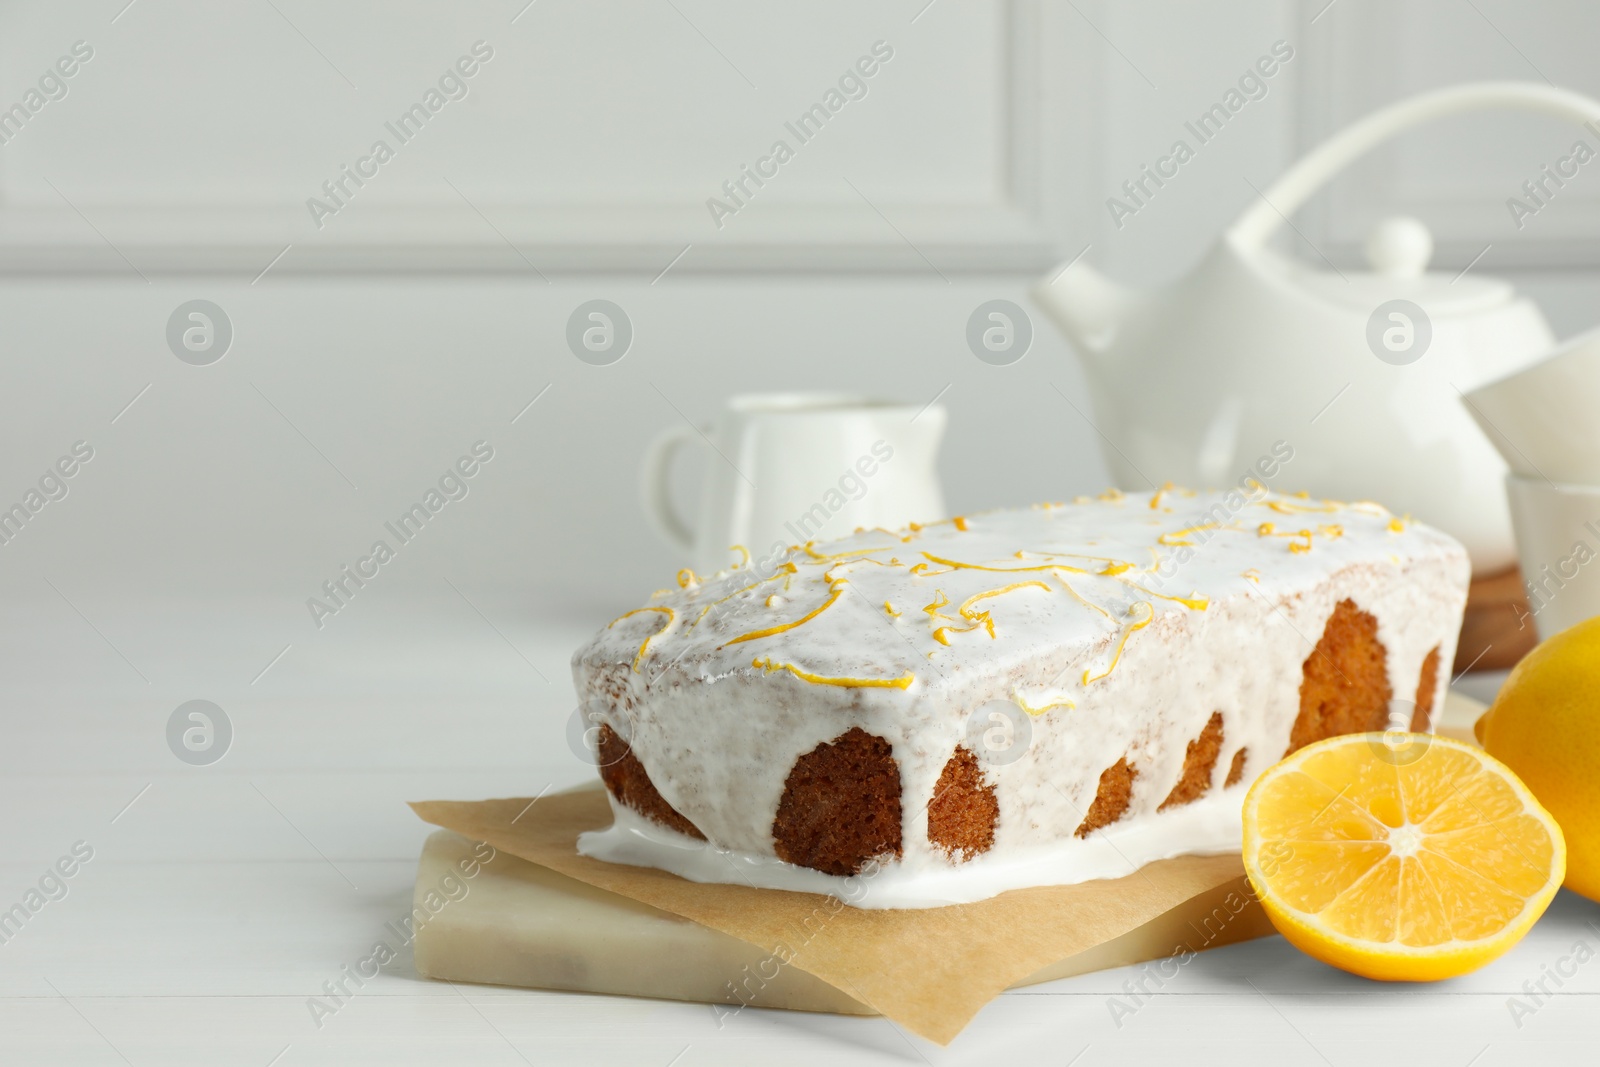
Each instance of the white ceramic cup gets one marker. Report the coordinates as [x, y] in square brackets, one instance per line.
[787, 468]
[1558, 543]
[1543, 419]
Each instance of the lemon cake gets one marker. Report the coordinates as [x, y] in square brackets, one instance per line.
[940, 713]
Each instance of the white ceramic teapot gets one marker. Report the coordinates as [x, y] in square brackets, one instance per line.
[1358, 374]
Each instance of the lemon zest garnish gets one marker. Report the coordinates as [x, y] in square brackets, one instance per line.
[1113, 566]
[966, 606]
[835, 591]
[787, 568]
[1057, 569]
[960, 522]
[1150, 614]
[1267, 529]
[958, 565]
[1041, 708]
[687, 579]
[1175, 538]
[939, 601]
[1396, 526]
[1193, 601]
[1079, 597]
[1295, 545]
[828, 577]
[1155, 497]
[671, 618]
[814, 554]
[889, 609]
[1283, 507]
[981, 618]
[745, 552]
[1252, 574]
[903, 682]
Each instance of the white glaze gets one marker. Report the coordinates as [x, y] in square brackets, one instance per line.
[1207, 827]
[718, 736]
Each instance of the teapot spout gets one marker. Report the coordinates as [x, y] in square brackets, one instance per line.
[1089, 307]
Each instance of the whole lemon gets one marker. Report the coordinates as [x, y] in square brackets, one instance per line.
[1545, 726]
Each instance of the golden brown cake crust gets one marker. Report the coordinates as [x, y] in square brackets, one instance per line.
[1344, 687]
[1111, 799]
[630, 783]
[1422, 717]
[964, 811]
[840, 805]
[1199, 760]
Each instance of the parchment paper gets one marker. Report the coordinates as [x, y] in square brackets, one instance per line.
[930, 970]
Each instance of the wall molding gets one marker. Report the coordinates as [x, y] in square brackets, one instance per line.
[1363, 47]
[1021, 231]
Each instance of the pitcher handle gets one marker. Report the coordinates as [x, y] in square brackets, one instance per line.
[654, 491]
[1296, 185]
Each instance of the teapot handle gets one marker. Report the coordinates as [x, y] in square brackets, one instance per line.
[1296, 185]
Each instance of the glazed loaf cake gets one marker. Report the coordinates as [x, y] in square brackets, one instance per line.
[958, 708]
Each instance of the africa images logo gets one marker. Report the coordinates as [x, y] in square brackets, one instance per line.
[852, 85]
[1206, 127]
[52, 86]
[342, 187]
[454, 484]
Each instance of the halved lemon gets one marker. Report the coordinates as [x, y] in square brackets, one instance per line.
[1404, 857]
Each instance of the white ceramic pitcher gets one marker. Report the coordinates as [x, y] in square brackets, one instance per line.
[787, 468]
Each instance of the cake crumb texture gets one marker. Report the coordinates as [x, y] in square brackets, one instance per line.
[1344, 687]
[630, 783]
[1111, 799]
[1236, 770]
[964, 811]
[840, 805]
[1199, 760]
[1422, 717]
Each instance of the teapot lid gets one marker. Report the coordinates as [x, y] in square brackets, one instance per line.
[1398, 250]
[1440, 293]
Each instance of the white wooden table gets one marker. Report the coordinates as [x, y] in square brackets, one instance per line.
[221, 898]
